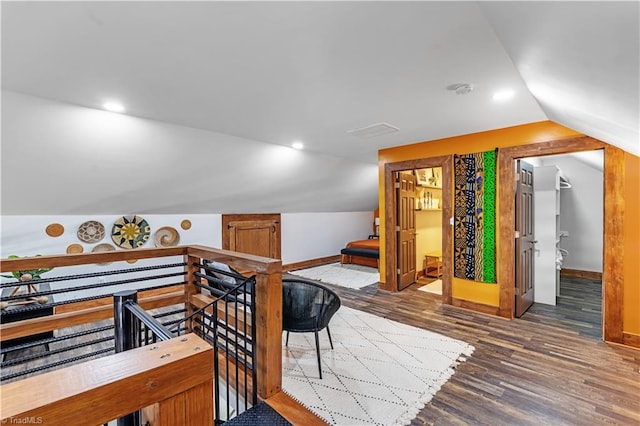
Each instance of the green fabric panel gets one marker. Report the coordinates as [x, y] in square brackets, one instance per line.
[489, 228]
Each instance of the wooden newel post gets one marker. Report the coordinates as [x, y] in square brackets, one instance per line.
[268, 311]
[190, 289]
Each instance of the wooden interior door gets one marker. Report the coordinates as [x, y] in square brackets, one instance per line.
[253, 234]
[406, 196]
[525, 243]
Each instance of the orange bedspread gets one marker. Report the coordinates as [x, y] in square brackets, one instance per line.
[373, 243]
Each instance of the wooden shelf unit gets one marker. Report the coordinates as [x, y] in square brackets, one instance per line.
[433, 261]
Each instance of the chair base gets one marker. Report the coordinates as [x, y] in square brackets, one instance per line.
[317, 347]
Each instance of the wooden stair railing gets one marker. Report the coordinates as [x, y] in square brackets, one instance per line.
[169, 387]
[268, 310]
[171, 380]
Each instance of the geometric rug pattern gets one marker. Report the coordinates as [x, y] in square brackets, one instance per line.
[380, 372]
[347, 275]
[474, 243]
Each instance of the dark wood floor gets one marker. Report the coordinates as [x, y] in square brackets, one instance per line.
[579, 306]
[548, 368]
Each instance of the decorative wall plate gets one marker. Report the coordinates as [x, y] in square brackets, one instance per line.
[91, 231]
[54, 230]
[185, 224]
[75, 249]
[130, 232]
[102, 248]
[166, 237]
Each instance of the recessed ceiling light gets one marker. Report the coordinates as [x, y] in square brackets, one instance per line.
[297, 145]
[503, 95]
[113, 107]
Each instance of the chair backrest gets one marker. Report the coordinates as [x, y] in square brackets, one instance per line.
[224, 277]
[306, 305]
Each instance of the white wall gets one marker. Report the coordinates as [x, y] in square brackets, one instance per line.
[305, 236]
[581, 214]
[312, 235]
[25, 236]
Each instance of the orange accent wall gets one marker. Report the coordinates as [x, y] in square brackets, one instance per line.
[631, 314]
[543, 131]
[487, 294]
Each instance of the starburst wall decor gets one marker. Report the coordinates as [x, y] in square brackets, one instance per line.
[130, 232]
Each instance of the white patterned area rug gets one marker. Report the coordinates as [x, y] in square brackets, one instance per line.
[380, 372]
[347, 275]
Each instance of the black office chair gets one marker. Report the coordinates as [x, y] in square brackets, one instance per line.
[307, 307]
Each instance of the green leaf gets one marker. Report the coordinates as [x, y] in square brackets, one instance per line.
[35, 273]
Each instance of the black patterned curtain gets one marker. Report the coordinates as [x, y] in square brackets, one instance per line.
[475, 217]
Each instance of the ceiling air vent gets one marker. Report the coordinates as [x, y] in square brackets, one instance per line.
[460, 88]
[378, 129]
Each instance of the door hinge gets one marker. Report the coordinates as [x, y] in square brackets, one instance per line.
[398, 271]
[517, 234]
[397, 228]
[397, 185]
[518, 177]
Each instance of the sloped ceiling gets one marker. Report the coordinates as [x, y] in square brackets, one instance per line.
[580, 60]
[274, 72]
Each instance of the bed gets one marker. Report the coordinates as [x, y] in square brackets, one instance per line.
[362, 252]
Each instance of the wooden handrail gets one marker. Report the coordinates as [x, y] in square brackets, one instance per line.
[267, 310]
[293, 411]
[243, 261]
[54, 261]
[168, 376]
[32, 326]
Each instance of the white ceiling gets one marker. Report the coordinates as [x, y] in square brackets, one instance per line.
[580, 60]
[276, 72]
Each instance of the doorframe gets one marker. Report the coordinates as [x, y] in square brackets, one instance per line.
[613, 238]
[390, 220]
[613, 247]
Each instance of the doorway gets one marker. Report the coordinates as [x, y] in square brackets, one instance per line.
[568, 218]
[444, 198]
[419, 236]
[614, 246]
[613, 243]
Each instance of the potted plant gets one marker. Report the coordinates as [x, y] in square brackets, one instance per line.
[25, 278]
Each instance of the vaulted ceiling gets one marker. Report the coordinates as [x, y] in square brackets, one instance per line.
[274, 72]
